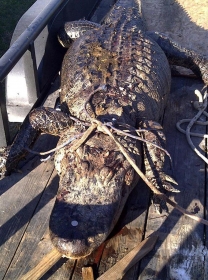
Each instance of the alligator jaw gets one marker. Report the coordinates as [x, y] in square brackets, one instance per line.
[95, 182]
[77, 229]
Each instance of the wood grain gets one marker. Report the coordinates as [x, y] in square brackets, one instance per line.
[44, 265]
[21, 194]
[87, 273]
[180, 245]
[117, 271]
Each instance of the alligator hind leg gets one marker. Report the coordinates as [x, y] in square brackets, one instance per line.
[73, 30]
[154, 159]
[180, 56]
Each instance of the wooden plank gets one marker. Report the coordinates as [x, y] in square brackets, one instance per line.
[131, 228]
[87, 273]
[36, 243]
[20, 194]
[62, 269]
[127, 234]
[43, 266]
[36, 227]
[91, 260]
[179, 252]
[121, 267]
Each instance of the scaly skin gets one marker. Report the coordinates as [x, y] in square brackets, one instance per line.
[135, 72]
[120, 74]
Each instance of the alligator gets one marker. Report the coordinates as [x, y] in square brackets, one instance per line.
[118, 74]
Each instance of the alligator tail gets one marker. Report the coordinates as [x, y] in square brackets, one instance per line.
[122, 8]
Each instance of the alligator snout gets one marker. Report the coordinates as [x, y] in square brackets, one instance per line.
[79, 229]
[84, 216]
[74, 249]
[75, 244]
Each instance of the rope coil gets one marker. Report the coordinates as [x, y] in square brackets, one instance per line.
[201, 106]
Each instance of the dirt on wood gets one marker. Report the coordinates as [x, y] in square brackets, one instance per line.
[183, 20]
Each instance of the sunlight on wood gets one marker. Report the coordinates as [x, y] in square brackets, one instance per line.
[196, 11]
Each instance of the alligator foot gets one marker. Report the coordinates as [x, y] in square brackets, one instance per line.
[50, 121]
[154, 159]
[160, 206]
[4, 152]
[42, 119]
[10, 156]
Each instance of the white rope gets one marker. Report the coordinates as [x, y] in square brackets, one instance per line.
[200, 105]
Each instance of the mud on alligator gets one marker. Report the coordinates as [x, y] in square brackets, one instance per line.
[119, 74]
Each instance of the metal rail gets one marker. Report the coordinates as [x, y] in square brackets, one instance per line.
[21, 45]
[15, 52]
[24, 45]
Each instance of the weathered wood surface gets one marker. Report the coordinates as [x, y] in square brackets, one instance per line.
[43, 266]
[181, 251]
[26, 200]
[185, 21]
[87, 273]
[22, 197]
[121, 267]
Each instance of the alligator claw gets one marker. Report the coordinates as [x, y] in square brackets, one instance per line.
[170, 188]
[168, 178]
[163, 180]
[4, 153]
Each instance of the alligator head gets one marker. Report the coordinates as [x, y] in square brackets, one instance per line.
[95, 182]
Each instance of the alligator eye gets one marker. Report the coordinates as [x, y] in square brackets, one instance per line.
[85, 165]
[106, 154]
[106, 174]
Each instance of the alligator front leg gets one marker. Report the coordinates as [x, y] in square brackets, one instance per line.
[50, 121]
[11, 155]
[181, 56]
[154, 159]
[45, 120]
